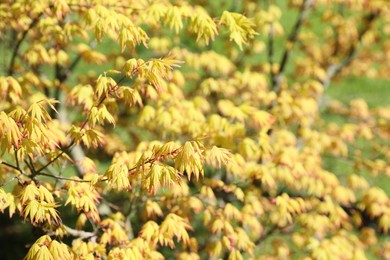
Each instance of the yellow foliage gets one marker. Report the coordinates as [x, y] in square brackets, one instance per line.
[117, 175]
[203, 25]
[46, 248]
[247, 124]
[189, 158]
[160, 175]
[240, 27]
[174, 226]
[84, 197]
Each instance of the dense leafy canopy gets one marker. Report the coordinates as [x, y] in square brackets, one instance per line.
[193, 129]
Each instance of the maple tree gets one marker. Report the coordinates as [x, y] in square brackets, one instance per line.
[192, 129]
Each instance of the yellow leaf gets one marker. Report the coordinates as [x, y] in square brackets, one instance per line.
[218, 156]
[240, 27]
[117, 175]
[189, 158]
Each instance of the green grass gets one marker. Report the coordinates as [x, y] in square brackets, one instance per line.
[376, 92]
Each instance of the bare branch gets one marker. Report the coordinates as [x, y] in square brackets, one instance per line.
[277, 79]
[17, 159]
[271, 36]
[30, 165]
[21, 172]
[9, 165]
[54, 159]
[80, 233]
[64, 178]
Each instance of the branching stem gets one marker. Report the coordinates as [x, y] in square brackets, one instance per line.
[80, 233]
[291, 40]
[65, 179]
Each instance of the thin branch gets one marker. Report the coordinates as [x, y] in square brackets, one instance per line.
[80, 233]
[73, 65]
[271, 35]
[32, 168]
[29, 166]
[277, 79]
[59, 174]
[54, 159]
[10, 180]
[17, 159]
[9, 165]
[18, 44]
[64, 178]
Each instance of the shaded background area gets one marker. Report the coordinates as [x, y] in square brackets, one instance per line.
[13, 237]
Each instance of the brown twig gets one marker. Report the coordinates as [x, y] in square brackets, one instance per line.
[277, 78]
[9, 165]
[66, 179]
